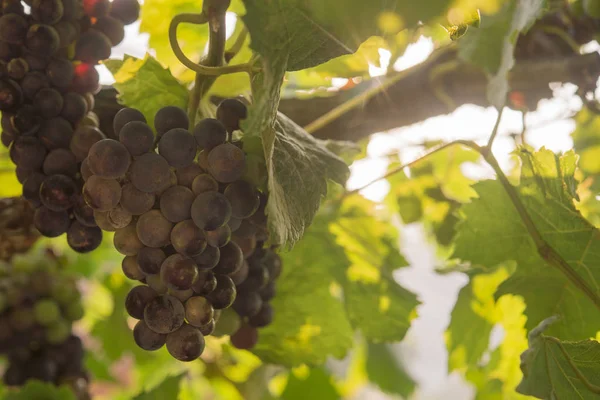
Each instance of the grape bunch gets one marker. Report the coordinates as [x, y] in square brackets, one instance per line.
[17, 233]
[38, 304]
[185, 218]
[48, 53]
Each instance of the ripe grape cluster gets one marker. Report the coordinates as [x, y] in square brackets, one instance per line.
[190, 226]
[38, 304]
[48, 53]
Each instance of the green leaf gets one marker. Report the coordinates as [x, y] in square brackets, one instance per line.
[384, 370]
[309, 33]
[144, 84]
[299, 167]
[168, 389]
[547, 189]
[491, 47]
[317, 385]
[556, 369]
[10, 185]
[410, 209]
[37, 390]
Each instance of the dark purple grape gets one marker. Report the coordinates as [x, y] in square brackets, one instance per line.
[124, 116]
[176, 202]
[137, 136]
[146, 338]
[208, 329]
[58, 192]
[131, 269]
[188, 239]
[31, 188]
[186, 175]
[224, 294]
[230, 112]
[49, 102]
[51, 223]
[60, 161]
[102, 194]
[227, 163]
[74, 107]
[231, 259]
[127, 11]
[168, 118]
[178, 147]
[60, 72]
[219, 237]
[210, 210]
[103, 222]
[150, 173]
[210, 133]
[178, 272]
[83, 239]
[209, 258]
[127, 242]
[109, 159]
[83, 139]
[119, 217]
[42, 40]
[198, 311]
[150, 259]
[240, 275]
[205, 284]
[32, 83]
[13, 28]
[137, 299]
[273, 263]
[247, 304]
[204, 183]
[47, 11]
[28, 152]
[243, 198]
[84, 213]
[17, 68]
[93, 46]
[153, 229]
[245, 338]
[185, 344]
[112, 28]
[86, 79]
[164, 314]
[56, 133]
[263, 318]
[257, 279]
[135, 201]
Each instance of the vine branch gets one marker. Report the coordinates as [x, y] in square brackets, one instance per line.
[495, 130]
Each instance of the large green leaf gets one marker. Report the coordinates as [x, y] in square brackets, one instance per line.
[491, 47]
[318, 384]
[555, 369]
[299, 167]
[547, 189]
[144, 84]
[309, 33]
[384, 370]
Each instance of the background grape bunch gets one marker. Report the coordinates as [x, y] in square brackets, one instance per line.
[48, 53]
[38, 304]
[190, 226]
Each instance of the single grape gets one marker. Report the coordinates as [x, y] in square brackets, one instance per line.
[224, 293]
[35, 62]
[178, 272]
[230, 112]
[263, 318]
[119, 218]
[49, 102]
[27, 120]
[243, 197]
[164, 314]
[150, 173]
[126, 115]
[13, 28]
[103, 222]
[157, 284]
[102, 194]
[83, 139]
[83, 239]
[247, 244]
[58, 192]
[219, 237]
[58, 332]
[17, 68]
[187, 174]
[47, 11]
[28, 152]
[150, 259]
[182, 295]
[137, 136]
[246, 229]
[131, 269]
[178, 147]
[74, 312]
[127, 242]
[46, 311]
[154, 229]
[168, 118]
[127, 11]
[208, 329]
[227, 163]
[109, 159]
[188, 239]
[146, 338]
[74, 107]
[60, 72]
[210, 210]
[234, 223]
[86, 79]
[60, 162]
[112, 28]
[203, 160]
[22, 174]
[245, 338]
[198, 311]
[208, 259]
[257, 279]
[92, 47]
[241, 274]
[31, 188]
[210, 133]
[231, 259]
[11, 95]
[247, 304]
[135, 201]
[268, 292]
[185, 344]
[56, 133]
[51, 223]
[204, 183]
[42, 40]
[205, 284]
[137, 299]
[273, 263]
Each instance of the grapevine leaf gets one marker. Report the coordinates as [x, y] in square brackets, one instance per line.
[491, 47]
[556, 369]
[168, 389]
[144, 84]
[309, 33]
[298, 172]
[34, 390]
[317, 385]
[547, 189]
[384, 370]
